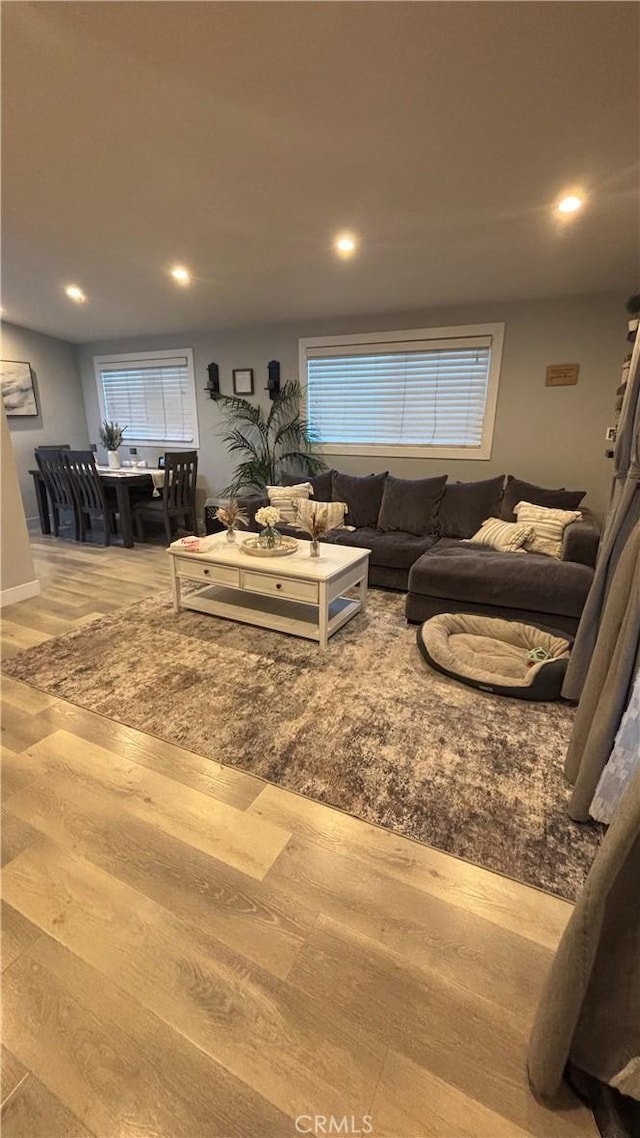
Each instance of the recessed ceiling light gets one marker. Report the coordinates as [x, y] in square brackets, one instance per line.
[345, 245]
[181, 275]
[571, 204]
[75, 293]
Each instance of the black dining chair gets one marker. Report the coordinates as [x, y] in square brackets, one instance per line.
[55, 476]
[178, 498]
[89, 493]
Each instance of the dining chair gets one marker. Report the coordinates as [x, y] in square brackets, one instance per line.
[178, 498]
[89, 493]
[55, 476]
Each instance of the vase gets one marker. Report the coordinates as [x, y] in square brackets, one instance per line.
[269, 537]
[113, 458]
[314, 551]
[231, 533]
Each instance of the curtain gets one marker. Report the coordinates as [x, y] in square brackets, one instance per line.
[624, 513]
[610, 678]
[589, 1013]
[623, 764]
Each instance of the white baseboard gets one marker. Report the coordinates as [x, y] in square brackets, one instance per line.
[19, 593]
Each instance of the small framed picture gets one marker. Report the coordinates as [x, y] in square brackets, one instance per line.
[243, 381]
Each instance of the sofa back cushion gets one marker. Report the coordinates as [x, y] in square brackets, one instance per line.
[362, 495]
[321, 483]
[517, 491]
[466, 505]
[410, 505]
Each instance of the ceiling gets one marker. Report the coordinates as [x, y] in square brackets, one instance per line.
[239, 138]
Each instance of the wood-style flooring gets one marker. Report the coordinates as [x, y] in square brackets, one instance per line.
[188, 951]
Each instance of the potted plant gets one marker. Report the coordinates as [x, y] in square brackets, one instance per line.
[269, 441]
[111, 438]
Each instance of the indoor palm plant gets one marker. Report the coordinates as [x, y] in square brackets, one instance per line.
[269, 442]
[111, 438]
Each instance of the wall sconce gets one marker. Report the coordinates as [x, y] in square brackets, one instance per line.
[213, 383]
[273, 382]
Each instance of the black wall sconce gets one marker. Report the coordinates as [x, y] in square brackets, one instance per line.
[213, 383]
[273, 382]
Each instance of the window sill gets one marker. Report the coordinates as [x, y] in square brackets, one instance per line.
[371, 450]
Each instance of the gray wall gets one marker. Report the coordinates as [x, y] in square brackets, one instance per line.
[16, 562]
[61, 417]
[552, 436]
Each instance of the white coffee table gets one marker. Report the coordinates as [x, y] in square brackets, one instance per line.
[298, 594]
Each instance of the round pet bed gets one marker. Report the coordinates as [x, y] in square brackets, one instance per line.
[505, 657]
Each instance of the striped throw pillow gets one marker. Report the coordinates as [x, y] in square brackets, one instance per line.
[548, 527]
[507, 537]
[284, 498]
[334, 512]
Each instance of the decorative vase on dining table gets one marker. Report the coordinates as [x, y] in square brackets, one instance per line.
[113, 458]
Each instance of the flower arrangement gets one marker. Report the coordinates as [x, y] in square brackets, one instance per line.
[231, 516]
[111, 435]
[268, 517]
[315, 525]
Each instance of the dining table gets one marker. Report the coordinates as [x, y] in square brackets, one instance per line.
[123, 481]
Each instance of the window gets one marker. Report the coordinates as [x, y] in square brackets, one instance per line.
[152, 394]
[425, 393]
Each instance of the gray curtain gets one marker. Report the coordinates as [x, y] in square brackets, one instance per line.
[624, 513]
[609, 681]
[589, 1012]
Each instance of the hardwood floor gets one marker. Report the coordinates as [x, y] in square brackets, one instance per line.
[189, 952]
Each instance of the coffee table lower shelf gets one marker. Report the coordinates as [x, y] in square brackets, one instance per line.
[282, 615]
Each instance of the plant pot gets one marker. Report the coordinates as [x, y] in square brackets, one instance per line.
[113, 459]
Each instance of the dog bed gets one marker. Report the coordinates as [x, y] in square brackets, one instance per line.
[506, 657]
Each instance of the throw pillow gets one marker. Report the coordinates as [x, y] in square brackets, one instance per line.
[547, 527]
[321, 483]
[517, 491]
[362, 495]
[508, 537]
[285, 497]
[410, 505]
[334, 512]
[466, 505]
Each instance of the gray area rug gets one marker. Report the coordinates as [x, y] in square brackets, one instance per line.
[366, 727]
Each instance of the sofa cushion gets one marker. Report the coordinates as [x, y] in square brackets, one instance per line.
[466, 505]
[390, 550]
[508, 537]
[320, 483]
[362, 495]
[411, 505]
[480, 575]
[517, 491]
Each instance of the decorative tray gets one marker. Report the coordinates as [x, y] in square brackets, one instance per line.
[286, 545]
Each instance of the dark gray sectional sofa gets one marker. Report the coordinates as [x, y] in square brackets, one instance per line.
[415, 530]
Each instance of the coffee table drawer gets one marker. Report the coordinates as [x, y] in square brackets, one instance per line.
[275, 586]
[200, 571]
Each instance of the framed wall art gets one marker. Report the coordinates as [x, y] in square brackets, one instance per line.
[243, 381]
[16, 385]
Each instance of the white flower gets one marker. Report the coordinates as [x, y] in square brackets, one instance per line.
[267, 516]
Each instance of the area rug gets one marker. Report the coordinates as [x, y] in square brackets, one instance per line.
[367, 727]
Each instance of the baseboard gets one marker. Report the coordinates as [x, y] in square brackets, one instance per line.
[19, 593]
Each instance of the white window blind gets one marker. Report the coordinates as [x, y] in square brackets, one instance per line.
[426, 393]
[417, 397]
[152, 396]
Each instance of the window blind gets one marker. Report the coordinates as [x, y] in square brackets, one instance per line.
[429, 396]
[152, 398]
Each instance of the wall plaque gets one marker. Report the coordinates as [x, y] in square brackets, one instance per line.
[562, 375]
